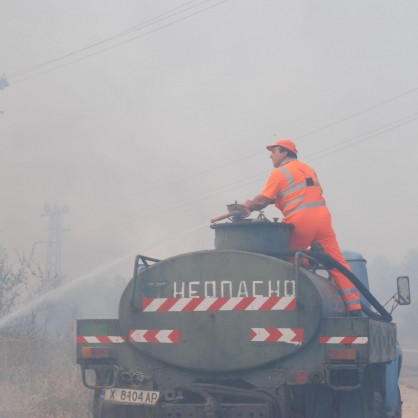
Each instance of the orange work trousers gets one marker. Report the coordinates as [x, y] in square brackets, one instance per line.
[314, 225]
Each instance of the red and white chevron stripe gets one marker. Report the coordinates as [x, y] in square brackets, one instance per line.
[100, 339]
[167, 336]
[259, 303]
[343, 340]
[278, 335]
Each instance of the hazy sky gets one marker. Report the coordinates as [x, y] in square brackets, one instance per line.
[147, 117]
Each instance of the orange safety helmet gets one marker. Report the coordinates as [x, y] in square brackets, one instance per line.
[285, 143]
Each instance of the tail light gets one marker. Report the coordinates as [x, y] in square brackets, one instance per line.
[342, 355]
[301, 377]
[95, 352]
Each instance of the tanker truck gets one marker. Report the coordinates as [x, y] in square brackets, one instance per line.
[249, 329]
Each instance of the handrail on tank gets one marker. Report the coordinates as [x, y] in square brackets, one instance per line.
[298, 256]
[144, 260]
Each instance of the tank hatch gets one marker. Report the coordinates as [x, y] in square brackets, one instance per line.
[253, 235]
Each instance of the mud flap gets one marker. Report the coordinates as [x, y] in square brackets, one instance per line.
[324, 402]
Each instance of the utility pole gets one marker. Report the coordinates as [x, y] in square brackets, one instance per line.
[53, 256]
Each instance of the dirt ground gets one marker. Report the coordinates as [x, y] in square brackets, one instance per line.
[410, 402]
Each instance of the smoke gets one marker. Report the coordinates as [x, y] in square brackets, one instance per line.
[60, 294]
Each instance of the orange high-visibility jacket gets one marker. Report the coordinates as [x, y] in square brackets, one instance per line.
[294, 186]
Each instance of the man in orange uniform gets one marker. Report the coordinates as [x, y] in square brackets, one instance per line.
[295, 189]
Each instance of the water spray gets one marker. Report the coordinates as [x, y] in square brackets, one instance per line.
[60, 290]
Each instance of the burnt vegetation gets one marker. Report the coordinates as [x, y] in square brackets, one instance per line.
[38, 374]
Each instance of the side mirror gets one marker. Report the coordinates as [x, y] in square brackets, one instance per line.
[403, 296]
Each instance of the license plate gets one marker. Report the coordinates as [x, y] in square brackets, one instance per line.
[131, 396]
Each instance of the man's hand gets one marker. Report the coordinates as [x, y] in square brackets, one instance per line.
[258, 203]
[247, 204]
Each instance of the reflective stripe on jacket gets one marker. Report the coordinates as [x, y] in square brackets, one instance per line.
[302, 191]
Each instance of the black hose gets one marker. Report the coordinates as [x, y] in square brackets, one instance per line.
[331, 263]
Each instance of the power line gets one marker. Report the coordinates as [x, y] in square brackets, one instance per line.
[171, 13]
[105, 40]
[123, 42]
[259, 175]
[367, 135]
[351, 116]
[170, 206]
[248, 157]
[174, 12]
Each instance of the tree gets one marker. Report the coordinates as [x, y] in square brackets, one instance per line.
[18, 285]
[12, 283]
